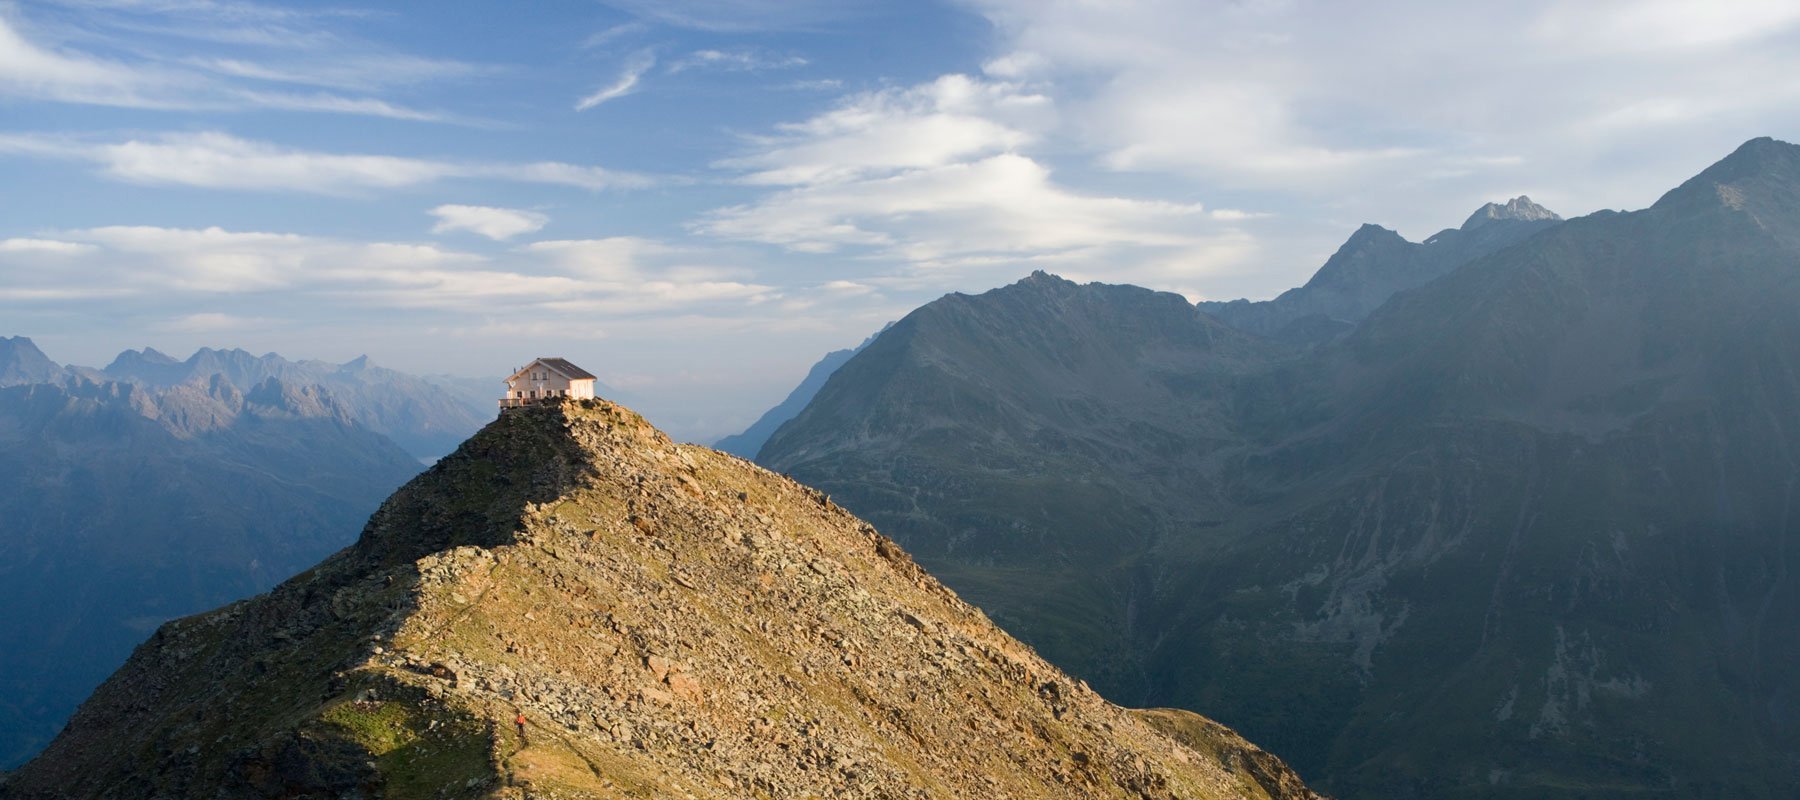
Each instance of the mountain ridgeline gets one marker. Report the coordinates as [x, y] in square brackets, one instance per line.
[571, 605]
[1374, 265]
[426, 417]
[1525, 530]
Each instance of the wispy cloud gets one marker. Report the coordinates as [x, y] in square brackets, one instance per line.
[494, 223]
[734, 61]
[555, 280]
[739, 16]
[220, 161]
[625, 84]
[136, 76]
[607, 36]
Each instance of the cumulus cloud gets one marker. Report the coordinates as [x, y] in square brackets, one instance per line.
[494, 223]
[221, 161]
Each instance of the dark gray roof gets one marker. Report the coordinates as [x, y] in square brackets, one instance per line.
[566, 369]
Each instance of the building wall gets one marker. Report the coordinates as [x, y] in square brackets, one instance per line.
[540, 382]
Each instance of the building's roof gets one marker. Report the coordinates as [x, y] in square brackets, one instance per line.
[560, 366]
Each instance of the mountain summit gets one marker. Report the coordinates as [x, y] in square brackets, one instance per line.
[1376, 263]
[1518, 209]
[21, 362]
[665, 621]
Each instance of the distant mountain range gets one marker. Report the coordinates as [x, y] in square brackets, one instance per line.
[1513, 516]
[426, 417]
[156, 488]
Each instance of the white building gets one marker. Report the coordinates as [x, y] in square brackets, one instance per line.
[545, 379]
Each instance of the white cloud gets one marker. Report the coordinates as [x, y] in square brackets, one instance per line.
[814, 85]
[211, 322]
[221, 161]
[608, 35]
[562, 280]
[494, 223]
[734, 61]
[843, 287]
[625, 84]
[27, 70]
[26, 245]
[738, 16]
[1409, 109]
[936, 177]
[1003, 204]
[947, 120]
[139, 78]
[360, 72]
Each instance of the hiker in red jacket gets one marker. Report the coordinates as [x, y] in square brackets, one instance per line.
[520, 721]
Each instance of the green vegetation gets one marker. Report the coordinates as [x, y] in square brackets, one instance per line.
[419, 754]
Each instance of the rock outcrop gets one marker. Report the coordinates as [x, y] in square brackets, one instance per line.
[668, 620]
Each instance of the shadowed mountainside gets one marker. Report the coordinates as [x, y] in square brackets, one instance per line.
[1527, 531]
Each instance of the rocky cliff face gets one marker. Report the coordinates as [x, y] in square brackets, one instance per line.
[1374, 265]
[1527, 531]
[669, 621]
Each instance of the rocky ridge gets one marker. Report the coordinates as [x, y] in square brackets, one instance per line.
[1375, 264]
[671, 622]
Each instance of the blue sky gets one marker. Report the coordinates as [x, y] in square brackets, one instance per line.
[697, 198]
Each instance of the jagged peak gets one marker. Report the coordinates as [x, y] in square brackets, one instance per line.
[1041, 279]
[21, 346]
[1518, 209]
[148, 355]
